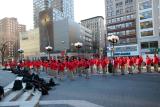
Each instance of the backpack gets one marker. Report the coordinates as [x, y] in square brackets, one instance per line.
[1, 90]
[17, 85]
[29, 86]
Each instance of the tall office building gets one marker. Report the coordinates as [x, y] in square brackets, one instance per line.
[148, 26]
[9, 34]
[121, 21]
[61, 9]
[96, 25]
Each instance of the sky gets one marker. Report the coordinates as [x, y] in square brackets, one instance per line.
[23, 10]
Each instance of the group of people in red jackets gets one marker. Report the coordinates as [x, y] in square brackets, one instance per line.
[73, 66]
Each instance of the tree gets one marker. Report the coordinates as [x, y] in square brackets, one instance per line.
[3, 47]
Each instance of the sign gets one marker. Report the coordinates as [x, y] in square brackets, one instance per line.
[125, 50]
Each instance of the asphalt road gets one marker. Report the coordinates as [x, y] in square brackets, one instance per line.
[6, 78]
[138, 90]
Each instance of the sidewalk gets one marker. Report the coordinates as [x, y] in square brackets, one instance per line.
[6, 78]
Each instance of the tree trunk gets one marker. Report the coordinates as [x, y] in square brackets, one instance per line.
[2, 56]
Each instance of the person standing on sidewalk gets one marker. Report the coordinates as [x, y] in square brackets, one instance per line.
[130, 65]
[148, 63]
[155, 62]
[139, 61]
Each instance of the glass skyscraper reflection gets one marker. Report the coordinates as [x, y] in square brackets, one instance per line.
[61, 9]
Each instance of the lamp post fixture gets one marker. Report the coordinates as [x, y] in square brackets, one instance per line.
[20, 51]
[78, 45]
[48, 49]
[113, 40]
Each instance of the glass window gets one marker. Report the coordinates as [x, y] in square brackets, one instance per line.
[145, 5]
[144, 45]
[129, 24]
[147, 33]
[128, 1]
[128, 17]
[154, 44]
[146, 24]
[119, 4]
[130, 32]
[109, 21]
[146, 15]
[113, 20]
[118, 19]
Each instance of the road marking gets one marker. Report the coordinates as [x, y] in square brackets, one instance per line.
[75, 103]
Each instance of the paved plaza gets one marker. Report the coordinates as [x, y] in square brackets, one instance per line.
[138, 90]
[6, 77]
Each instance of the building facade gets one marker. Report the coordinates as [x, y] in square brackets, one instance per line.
[96, 25]
[148, 26]
[61, 9]
[69, 34]
[64, 39]
[86, 38]
[9, 34]
[30, 42]
[121, 21]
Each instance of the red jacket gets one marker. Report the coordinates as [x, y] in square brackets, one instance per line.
[155, 60]
[148, 61]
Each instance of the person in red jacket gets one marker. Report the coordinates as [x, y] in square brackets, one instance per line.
[104, 66]
[130, 65]
[148, 63]
[122, 65]
[54, 67]
[71, 69]
[61, 67]
[86, 68]
[116, 64]
[155, 62]
[139, 61]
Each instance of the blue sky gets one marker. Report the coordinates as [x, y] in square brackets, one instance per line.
[23, 10]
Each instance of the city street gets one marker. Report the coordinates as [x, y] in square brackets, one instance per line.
[138, 90]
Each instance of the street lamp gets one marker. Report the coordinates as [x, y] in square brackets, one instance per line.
[48, 49]
[20, 51]
[78, 45]
[65, 50]
[113, 40]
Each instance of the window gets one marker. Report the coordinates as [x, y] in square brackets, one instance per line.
[129, 24]
[152, 44]
[119, 4]
[145, 5]
[118, 19]
[119, 11]
[147, 33]
[146, 15]
[144, 45]
[130, 32]
[113, 20]
[146, 24]
[128, 1]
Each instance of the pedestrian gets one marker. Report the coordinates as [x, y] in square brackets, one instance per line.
[104, 66]
[122, 59]
[148, 63]
[61, 67]
[155, 62]
[116, 64]
[130, 65]
[139, 61]
[86, 66]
